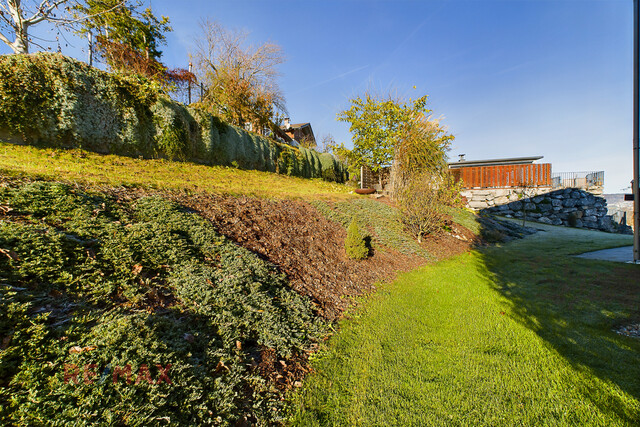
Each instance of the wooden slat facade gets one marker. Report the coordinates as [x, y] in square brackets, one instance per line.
[537, 175]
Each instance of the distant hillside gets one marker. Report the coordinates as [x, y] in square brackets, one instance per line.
[619, 209]
[615, 198]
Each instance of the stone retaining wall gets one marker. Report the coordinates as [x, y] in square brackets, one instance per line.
[487, 197]
[571, 207]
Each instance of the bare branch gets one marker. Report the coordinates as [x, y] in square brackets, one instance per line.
[2, 6]
[66, 21]
[43, 13]
[7, 21]
[4, 39]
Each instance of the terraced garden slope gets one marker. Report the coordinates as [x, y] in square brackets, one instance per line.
[134, 264]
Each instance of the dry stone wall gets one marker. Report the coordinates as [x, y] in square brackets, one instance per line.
[488, 197]
[570, 207]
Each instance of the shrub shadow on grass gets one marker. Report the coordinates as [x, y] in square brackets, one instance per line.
[369, 245]
[574, 305]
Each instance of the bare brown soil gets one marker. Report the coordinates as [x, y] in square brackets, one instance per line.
[309, 248]
[301, 242]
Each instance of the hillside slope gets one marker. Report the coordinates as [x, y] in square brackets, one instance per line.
[98, 279]
[95, 289]
[79, 166]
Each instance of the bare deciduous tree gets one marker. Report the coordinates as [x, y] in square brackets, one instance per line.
[17, 17]
[423, 201]
[240, 79]
[327, 143]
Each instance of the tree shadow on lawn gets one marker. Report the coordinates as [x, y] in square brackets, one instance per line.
[574, 305]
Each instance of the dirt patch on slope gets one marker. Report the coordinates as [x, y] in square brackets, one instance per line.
[306, 246]
[309, 248]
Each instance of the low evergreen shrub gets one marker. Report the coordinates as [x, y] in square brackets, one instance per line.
[355, 244]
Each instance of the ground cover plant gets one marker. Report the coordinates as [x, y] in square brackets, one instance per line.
[109, 270]
[518, 334]
[113, 170]
[92, 287]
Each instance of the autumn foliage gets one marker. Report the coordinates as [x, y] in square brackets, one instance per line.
[123, 58]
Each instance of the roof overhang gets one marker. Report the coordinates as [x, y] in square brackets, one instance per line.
[494, 162]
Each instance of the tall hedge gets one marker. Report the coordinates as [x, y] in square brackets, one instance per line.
[52, 100]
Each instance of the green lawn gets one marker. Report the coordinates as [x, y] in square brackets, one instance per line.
[513, 335]
[97, 169]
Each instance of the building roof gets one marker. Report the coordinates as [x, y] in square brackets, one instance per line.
[299, 125]
[494, 162]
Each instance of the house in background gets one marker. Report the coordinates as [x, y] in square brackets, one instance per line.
[300, 132]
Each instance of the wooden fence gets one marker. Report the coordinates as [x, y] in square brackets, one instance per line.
[536, 175]
[366, 177]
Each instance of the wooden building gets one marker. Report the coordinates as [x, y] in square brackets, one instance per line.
[502, 173]
[300, 132]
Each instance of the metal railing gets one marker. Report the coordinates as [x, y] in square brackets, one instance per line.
[577, 179]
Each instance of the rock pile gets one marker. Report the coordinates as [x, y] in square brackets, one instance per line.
[570, 207]
[629, 330]
[481, 198]
[494, 230]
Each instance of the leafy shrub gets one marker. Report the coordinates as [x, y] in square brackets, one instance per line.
[378, 221]
[177, 133]
[332, 169]
[85, 279]
[354, 244]
[53, 100]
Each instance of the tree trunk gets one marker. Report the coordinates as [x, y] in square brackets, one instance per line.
[21, 28]
[21, 44]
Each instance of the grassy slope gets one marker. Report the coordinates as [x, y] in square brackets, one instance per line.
[95, 169]
[151, 264]
[519, 334]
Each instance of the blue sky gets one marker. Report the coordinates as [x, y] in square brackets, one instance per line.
[511, 78]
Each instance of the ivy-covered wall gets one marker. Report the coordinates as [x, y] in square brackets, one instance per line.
[52, 100]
